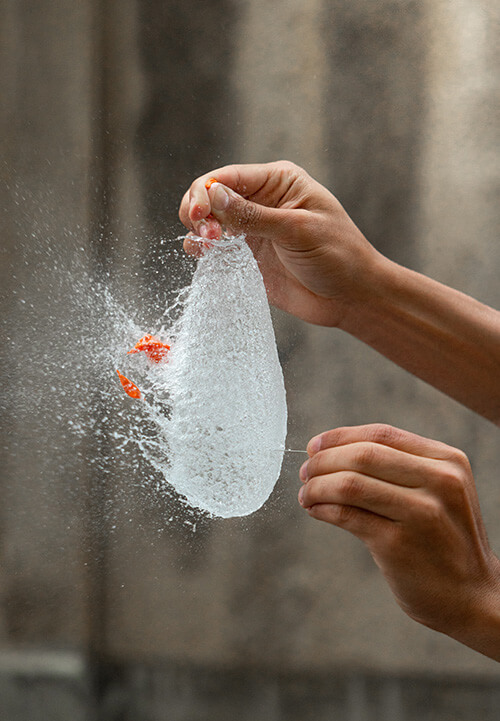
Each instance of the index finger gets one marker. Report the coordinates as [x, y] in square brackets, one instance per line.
[245, 179]
[384, 435]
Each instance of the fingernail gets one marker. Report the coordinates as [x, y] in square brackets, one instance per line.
[301, 496]
[303, 471]
[220, 198]
[203, 229]
[314, 444]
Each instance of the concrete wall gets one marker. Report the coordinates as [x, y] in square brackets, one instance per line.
[110, 108]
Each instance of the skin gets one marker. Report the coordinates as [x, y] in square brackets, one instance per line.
[413, 502]
[317, 265]
[410, 499]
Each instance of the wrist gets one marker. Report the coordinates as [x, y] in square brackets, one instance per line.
[478, 626]
[372, 295]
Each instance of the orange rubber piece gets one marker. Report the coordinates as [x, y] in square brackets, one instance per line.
[154, 349]
[130, 388]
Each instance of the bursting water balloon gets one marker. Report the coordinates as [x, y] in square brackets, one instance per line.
[227, 430]
[198, 402]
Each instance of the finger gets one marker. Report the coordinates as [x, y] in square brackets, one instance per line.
[360, 491]
[208, 228]
[245, 180]
[195, 206]
[193, 246]
[205, 211]
[184, 211]
[241, 215]
[248, 180]
[267, 184]
[373, 459]
[385, 435]
[360, 523]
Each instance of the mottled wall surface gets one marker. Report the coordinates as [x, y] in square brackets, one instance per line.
[46, 148]
[376, 113]
[110, 108]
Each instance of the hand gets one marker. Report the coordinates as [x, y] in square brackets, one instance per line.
[313, 259]
[414, 504]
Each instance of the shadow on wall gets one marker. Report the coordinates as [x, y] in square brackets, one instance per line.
[377, 104]
[188, 123]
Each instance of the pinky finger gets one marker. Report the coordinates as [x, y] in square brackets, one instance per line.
[363, 524]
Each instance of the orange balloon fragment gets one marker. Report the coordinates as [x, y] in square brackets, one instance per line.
[154, 349]
[130, 388]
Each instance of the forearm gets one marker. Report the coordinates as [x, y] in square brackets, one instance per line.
[439, 334]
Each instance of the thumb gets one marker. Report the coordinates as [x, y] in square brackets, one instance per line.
[238, 213]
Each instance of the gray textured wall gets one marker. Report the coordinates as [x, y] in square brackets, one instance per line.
[109, 109]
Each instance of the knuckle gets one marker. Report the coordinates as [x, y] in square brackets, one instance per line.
[456, 457]
[447, 476]
[343, 515]
[453, 490]
[350, 487]
[365, 455]
[460, 459]
[297, 224]
[248, 214]
[333, 438]
[385, 434]
[288, 166]
[452, 479]
[429, 511]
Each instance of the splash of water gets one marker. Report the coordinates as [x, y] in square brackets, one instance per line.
[212, 420]
[227, 395]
